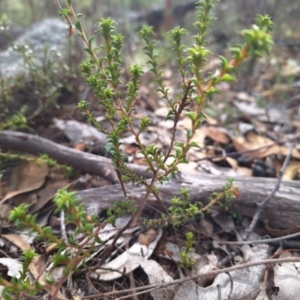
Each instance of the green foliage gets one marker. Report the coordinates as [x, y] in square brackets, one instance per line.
[181, 209]
[103, 73]
[264, 21]
[228, 194]
[21, 285]
[16, 121]
[69, 171]
[71, 250]
[102, 70]
[186, 262]
[119, 208]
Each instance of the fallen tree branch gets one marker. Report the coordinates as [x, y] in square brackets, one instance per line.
[82, 161]
[261, 205]
[282, 211]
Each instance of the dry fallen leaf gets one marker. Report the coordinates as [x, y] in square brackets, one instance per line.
[147, 237]
[26, 177]
[128, 261]
[190, 167]
[287, 278]
[261, 147]
[291, 170]
[204, 264]
[48, 191]
[217, 134]
[38, 265]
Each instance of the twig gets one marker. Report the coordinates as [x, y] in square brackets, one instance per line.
[139, 293]
[219, 292]
[145, 289]
[265, 241]
[231, 285]
[267, 271]
[261, 206]
[63, 226]
[82, 161]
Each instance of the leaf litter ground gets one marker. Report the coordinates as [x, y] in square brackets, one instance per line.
[248, 132]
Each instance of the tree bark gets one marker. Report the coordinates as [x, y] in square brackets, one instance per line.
[283, 211]
[82, 161]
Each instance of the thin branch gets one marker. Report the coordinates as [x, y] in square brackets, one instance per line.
[82, 161]
[261, 206]
[145, 289]
[265, 241]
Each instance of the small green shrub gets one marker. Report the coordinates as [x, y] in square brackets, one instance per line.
[186, 261]
[102, 70]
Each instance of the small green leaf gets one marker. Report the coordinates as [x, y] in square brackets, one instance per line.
[89, 51]
[64, 12]
[227, 77]
[224, 62]
[179, 144]
[194, 145]
[78, 25]
[91, 40]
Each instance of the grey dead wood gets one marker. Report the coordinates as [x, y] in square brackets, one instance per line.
[283, 211]
[82, 161]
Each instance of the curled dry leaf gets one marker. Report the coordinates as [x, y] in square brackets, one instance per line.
[188, 290]
[147, 237]
[287, 278]
[37, 266]
[259, 149]
[157, 275]
[128, 260]
[217, 134]
[26, 177]
[241, 283]
[291, 170]
[203, 265]
[14, 266]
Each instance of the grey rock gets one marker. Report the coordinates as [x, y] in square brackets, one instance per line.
[50, 34]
